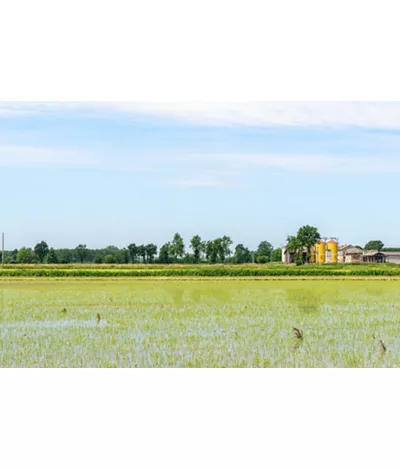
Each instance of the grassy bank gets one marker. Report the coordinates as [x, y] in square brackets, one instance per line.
[193, 271]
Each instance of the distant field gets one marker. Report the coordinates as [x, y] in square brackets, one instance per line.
[199, 323]
[251, 270]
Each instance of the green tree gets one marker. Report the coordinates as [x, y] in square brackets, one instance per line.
[177, 247]
[374, 245]
[198, 247]
[211, 251]
[226, 247]
[307, 237]
[81, 252]
[13, 257]
[98, 259]
[164, 257]
[299, 259]
[41, 250]
[26, 256]
[133, 251]
[120, 256]
[293, 245]
[52, 257]
[151, 252]
[276, 256]
[242, 254]
[64, 256]
[189, 259]
[109, 259]
[141, 251]
[264, 249]
[111, 250]
[124, 255]
[262, 259]
[222, 246]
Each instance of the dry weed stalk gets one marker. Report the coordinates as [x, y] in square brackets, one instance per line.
[298, 334]
[381, 344]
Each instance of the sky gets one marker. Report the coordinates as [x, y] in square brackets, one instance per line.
[113, 173]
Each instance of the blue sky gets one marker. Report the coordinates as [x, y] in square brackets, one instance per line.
[116, 173]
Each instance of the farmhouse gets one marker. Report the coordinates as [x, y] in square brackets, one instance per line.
[289, 257]
[392, 256]
[373, 256]
[330, 252]
[353, 255]
[343, 251]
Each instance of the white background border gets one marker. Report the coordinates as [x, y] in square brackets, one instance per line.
[198, 51]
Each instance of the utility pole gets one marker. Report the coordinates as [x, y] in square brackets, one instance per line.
[2, 249]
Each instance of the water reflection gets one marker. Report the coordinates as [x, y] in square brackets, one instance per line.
[305, 298]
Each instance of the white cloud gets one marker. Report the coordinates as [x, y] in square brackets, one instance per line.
[31, 108]
[379, 115]
[362, 114]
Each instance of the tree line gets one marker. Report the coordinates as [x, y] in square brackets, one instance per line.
[217, 251]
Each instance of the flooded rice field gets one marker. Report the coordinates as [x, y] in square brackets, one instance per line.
[200, 323]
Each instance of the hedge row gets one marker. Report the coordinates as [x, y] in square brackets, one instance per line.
[204, 267]
[182, 272]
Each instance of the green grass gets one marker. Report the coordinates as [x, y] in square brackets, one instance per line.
[199, 323]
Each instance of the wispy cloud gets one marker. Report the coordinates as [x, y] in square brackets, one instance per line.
[207, 179]
[331, 164]
[32, 108]
[375, 115]
[25, 156]
[217, 170]
[194, 182]
[379, 115]
[30, 156]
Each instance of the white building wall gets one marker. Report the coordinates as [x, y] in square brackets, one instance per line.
[395, 258]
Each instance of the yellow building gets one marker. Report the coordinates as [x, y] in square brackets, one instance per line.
[332, 251]
[321, 252]
[313, 255]
[325, 250]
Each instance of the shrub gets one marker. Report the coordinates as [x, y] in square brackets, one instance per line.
[109, 259]
[26, 256]
[98, 259]
[299, 259]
